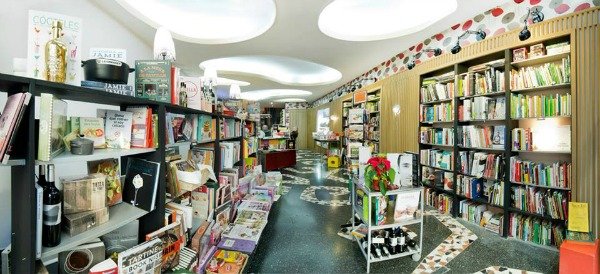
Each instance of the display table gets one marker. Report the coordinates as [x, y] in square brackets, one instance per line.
[326, 144]
[277, 159]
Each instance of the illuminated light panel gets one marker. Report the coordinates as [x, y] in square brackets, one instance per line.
[370, 20]
[228, 82]
[290, 100]
[284, 70]
[206, 21]
[259, 95]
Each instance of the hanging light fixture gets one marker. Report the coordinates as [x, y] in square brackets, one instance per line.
[411, 63]
[480, 35]
[234, 91]
[164, 47]
[536, 17]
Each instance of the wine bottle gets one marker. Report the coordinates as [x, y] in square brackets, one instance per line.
[42, 176]
[183, 100]
[402, 242]
[52, 212]
[394, 243]
[56, 55]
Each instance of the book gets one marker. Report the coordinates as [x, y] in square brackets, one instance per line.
[153, 80]
[53, 127]
[93, 128]
[406, 204]
[241, 245]
[39, 192]
[193, 86]
[171, 237]
[121, 89]
[141, 122]
[226, 261]
[141, 182]
[10, 120]
[498, 137]
[81, 258]
[110, 168]
[118, 129]
[39, 32]
[356, 115]
[107, 266]
[144, 258]
[121, 239]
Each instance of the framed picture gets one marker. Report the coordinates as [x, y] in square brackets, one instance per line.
[519, 54]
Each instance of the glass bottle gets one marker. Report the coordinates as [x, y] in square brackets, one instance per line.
[52, 212]
[42, 176]
[56, 53]
[183, 95]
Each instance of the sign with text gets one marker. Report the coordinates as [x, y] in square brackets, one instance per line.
[360, 96]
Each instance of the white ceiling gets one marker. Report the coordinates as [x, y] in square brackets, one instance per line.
[296, 34]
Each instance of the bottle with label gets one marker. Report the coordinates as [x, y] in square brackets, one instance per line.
[394, 242]
[183, 95]
[56, 55]
[42, 176]
[52, 211]
[402, 242]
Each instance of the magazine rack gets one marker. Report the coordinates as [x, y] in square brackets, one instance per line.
[414, 252]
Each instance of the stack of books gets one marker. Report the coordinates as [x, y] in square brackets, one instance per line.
[557, 174]
[121, 89]
[432, 92]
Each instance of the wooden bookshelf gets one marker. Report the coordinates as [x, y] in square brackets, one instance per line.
[500, 89]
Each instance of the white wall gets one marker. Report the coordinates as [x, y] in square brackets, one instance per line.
[99, 30]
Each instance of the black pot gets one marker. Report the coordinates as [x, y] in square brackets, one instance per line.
[106, 70]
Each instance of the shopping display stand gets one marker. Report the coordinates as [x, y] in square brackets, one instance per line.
[414, 252]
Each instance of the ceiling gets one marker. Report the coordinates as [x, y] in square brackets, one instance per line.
[296, 34]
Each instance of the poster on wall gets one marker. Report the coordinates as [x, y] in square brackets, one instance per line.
[323, 120]
[360, 97]
[49, 50]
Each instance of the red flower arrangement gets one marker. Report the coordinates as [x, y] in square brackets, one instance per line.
[379, 174]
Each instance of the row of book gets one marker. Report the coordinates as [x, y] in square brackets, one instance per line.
[443, 112]
[231, 128]
[432, 92]
[540, 106]
[437, 158]
[477, 83]
[481, 164]
[437, 178]
[440, 201]
[552, 203]
[438, 136]
[558, 138]
[190, 127]
[540, 76]
[482, 108]
[478, 188]
[557, 174]
[481, 215]
[230, 154]
[535, 230]
[372, 106]
[249, 146]
[472, 136]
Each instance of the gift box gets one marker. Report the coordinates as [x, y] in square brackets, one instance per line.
[80, 222]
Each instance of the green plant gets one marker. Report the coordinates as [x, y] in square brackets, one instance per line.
[379, 174]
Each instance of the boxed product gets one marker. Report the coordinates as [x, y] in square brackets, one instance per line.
[84, 193]
[153, 80]
[225, 261]
[80, 222]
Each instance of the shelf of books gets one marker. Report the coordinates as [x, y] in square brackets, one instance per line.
[144, 165]
[356, 133]
[372, 123]
[495, 141]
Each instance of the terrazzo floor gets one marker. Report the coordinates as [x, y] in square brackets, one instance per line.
[301, 236]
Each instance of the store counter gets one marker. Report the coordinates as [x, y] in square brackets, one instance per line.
[277, 159]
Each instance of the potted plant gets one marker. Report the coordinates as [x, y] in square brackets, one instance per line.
[379, 175]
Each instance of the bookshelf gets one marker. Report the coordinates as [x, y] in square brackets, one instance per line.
[373, 120]
[23, 167]
[464, 111]
[346, 106]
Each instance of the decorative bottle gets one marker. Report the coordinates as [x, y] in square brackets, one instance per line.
[52, 212]
[183, 100]
[56, 53]
[42, 176]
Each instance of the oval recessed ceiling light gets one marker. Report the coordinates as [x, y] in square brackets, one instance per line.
[259, 95]
[369, 20]
[206, 21]
[290, 100]
[228, 82]
[284, 70]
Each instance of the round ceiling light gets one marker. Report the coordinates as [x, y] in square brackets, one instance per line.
[259, 95]
[370, 20]
[206, 21]
[284, 70]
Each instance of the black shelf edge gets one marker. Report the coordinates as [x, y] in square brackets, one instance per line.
[438, 189]
[482, 177]
[481, 121]
[541, 118]
[479, 200]
[541, 151]
[230, 138]
[437, 145]
[438, 168]
[541, 186]
[492, 94]
[437, 102]
[499, 150]
[550, 87]
[177, 108]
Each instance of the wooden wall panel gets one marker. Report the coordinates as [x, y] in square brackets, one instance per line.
[298, 120]
[311, 125]
[587, 120]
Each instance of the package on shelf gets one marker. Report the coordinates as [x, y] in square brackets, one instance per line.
[83, 193]
[80, 222]
[153, 80]
[226, 261]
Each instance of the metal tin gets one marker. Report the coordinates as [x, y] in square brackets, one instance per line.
[82, 146]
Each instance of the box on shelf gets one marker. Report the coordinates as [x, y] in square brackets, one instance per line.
[80, 222]
[84, 193]
[153, 80]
